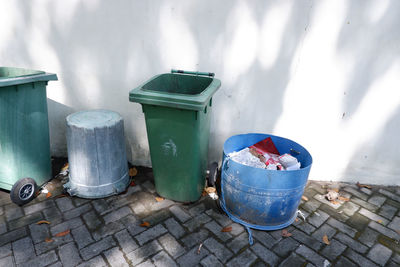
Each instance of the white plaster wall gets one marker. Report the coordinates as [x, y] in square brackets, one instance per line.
[323, 73]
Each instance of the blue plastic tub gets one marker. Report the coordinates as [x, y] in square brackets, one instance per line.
[259, 198]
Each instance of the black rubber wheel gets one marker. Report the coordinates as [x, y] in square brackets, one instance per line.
[23, 191]
[212, 175]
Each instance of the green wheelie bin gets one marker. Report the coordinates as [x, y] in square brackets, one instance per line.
[177, 108]
[25, 162]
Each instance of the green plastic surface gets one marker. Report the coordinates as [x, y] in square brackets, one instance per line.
[178, 132]
[24, 128]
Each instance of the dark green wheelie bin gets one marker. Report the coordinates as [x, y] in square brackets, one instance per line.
[25, 160]
[177, 108]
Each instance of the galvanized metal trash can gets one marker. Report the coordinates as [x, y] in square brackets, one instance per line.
[96, 154]
[259, 198]
[25, 162]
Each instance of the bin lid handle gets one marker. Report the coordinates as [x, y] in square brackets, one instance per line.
[193, 72]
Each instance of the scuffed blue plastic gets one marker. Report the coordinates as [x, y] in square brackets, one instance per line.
[259, 198]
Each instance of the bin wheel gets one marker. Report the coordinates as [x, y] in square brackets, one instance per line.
[212, 175]
[23, 191]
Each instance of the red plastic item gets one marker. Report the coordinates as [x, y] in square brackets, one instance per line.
[266, 146]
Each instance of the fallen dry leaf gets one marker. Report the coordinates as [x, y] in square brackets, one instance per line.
[48, 195]
[334, 202]
[297, 219]
[304, 198]
[380, 221]
[335, 189]
[66, 232]
[43, 222]
[132, 172]
[343, 198]
[226, 229]
[65, 167]
[159, 199]
[145, 224]
[363, 185]
[398, 231]
[285, 233]
[48, 240]
[204, 193]
[132, 183]
[326, 240]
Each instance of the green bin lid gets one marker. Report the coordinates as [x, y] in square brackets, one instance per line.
[180, 91]
[13, 76]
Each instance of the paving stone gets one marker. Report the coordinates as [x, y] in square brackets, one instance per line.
[162, 259]
[239, 242]
[158, 217]
[388, 211]
[222, 219]
[132, 225]
[150, 234]
[236, 229]
[115, 257]
[311, 205]
[305, 239]
[197, 221]
[211, 260]
[96, 248]
[377, 200]
[138, 208]
[5, 250]
[264, 238]
[24, 221]
[366, 191]
[215, 228]
[305, 227]
[383, 230]
[349, 208]
[333, 250]
[390, 194]
[356, 193]
[171, 245]
[12, 236]
[39, 232]
[344, 262]
[97, 261]
[42, 260]
[359, 259]
[265, 254]
[318, 218]
[3, 228]
[373, 216]
[101, 206]
[358, 222]
[147, 263]
[13, 212]
[357, 246]
[64, 203]
[364, 204]
[80, 201]
[106, 230]
[91, 220]
[293, 260]
[337, 214]
[117, 214]
[69, 255]
[161, 205]
[194, 211]
[192, 258]
[53, 215]
[174, 228]
[67, 225]
[195, 238]
[125, 241]
[138, 255]
[395, 224]
[344, 228]
[57, 242]
[56, 264]
[368, 237]
[246, 258]
[379, 254]
[77, 211]
[396, 258]
[23, 250]
[38, 207]
[310, 255]
[7, 261]
[219, 250]
[285, 246]
[324, 230]
[82, 236]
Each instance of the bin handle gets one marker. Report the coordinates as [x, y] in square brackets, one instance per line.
[193, 72]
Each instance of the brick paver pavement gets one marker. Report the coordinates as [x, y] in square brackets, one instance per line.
[364, 231]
